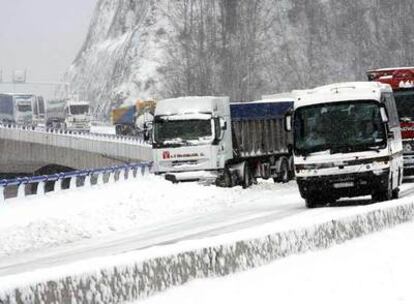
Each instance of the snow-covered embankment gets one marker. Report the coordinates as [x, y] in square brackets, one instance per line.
[139, 274]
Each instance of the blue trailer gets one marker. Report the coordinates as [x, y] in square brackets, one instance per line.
[260, 139]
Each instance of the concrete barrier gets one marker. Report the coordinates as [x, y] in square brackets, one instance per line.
[141, 278]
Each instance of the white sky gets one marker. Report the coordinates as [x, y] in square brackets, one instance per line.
[43, 36]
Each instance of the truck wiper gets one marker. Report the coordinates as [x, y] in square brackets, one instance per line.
[348, 149]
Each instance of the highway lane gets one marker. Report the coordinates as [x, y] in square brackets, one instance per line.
[257, 211]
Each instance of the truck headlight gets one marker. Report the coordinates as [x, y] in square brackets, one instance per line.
[408, 148]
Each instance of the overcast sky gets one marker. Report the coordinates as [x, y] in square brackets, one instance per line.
[43, 36]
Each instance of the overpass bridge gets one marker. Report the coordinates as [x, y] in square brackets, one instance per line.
[43, 151]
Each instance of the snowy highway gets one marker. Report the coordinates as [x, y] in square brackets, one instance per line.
[66, 227]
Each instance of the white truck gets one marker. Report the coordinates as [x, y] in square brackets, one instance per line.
[198, 138]
[16, 108]
[69, 114]
[347, 143]
[77, 115]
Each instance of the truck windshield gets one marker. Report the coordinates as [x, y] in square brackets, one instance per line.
[182, 132]
[24, 107]
[79, 109]
[24, 103]
[339, 127]
[405, 104]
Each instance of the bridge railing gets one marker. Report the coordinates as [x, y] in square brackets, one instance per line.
[76, 133]
[37, 185]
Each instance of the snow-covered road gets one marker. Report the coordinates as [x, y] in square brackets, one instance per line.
[66, 227]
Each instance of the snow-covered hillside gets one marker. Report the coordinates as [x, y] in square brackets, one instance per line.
[123, 52]
[155, 49]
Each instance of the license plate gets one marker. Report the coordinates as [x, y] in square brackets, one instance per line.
[344, 185]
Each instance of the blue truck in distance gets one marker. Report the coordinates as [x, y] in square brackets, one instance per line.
[197, 138]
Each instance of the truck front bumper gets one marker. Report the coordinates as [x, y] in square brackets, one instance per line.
[176, 177]
[345, 185]
[408, 164]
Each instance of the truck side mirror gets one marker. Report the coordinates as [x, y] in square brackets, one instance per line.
[288, 122]
[384, 115]
[223, 124]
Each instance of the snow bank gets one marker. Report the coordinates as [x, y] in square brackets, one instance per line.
[137, 275]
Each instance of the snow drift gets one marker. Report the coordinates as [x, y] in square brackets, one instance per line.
[138, 275]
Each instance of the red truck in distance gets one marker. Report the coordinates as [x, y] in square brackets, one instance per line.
[402, 82]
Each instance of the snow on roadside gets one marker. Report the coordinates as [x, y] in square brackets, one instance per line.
[69, 216]
[374, 269]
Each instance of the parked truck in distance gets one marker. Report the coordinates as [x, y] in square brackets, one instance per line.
[209, 138]
[134, 120]
[347, 143]
[402, 83]
[16, 108]
[68, 114]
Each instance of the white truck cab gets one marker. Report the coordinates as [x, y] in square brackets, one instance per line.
[17, 108]
[77, 115]
[347, 142]
[191, 137]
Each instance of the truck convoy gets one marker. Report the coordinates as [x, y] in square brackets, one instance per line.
[28, 109]
[68, 114]
[134, 120]
[347, 143]
[402, 83]
[209, 138]
[16, 108]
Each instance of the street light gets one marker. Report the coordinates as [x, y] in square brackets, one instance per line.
[19, 76]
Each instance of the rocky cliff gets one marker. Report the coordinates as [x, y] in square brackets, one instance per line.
[155, 49]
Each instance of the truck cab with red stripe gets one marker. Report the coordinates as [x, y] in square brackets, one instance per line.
[402, 82]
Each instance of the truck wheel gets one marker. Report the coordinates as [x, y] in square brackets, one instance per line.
[283, 175]
[396, 193]
[316, 200]
[247, 177]
[225, 180]
[311, 202]
[383, 195]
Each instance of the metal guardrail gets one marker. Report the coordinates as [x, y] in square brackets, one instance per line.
[82, 134]
[71, 180]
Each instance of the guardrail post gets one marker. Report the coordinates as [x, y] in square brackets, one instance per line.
[87, 181]
[21, 190]
[146, 170]
[2, 199]
[100, 180]
[122, 174]
[112, 177]
[57, 187]
[72, 184]
[40, 188]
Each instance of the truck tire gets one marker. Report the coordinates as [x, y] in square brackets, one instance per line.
[247, 177]
[225, 180]
[283, 175]
[383, 195]
[316, 200]
[311, 202]
[396, 193]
